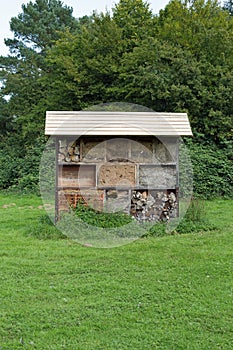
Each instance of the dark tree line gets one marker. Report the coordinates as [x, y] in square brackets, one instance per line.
[178, 60]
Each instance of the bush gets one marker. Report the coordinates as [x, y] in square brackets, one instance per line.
[213, 170]
[9, 169]
[19, 166]
[28, 183]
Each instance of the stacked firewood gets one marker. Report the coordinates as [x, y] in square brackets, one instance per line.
[160, 206]
[68, 152]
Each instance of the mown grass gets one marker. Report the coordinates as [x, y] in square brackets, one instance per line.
[171, 292]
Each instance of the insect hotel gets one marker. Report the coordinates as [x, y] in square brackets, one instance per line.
[118, 161]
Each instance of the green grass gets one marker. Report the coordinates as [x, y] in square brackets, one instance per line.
[171, 292]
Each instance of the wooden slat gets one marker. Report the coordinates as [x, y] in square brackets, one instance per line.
[116, 123]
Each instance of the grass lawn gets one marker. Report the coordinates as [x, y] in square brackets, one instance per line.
[173, 292]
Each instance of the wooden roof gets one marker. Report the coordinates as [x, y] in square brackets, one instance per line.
[116, 123]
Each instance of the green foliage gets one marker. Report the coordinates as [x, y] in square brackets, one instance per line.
[213, 170]
[199, 25]
[103, 63]
[136, 21]
[5, 118]
[228, 6]
[28, 183]
[19, 165]
[82, 73]
[24, 70]
[9, 169]
[101, 219]
[194, 221]
[178, 61]
[38, 26]
[204, 30]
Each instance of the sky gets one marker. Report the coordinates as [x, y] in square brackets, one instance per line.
[11, 8]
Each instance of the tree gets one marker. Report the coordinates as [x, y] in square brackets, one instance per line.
[35, 30]
[180, 60]
[200, 26]
[161, 76]
[101, 63]
[5, 118]
[228, 6]
[135, 19]
[22, 74]
[84, 65]
[38, 26]
[206, 30]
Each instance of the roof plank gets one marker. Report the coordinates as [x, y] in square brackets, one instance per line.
[116, 123]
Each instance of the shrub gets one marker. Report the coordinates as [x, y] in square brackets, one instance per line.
[9, 169]
[19, 168]
[213, 170]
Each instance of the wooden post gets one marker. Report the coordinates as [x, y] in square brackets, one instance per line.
[56, 181]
